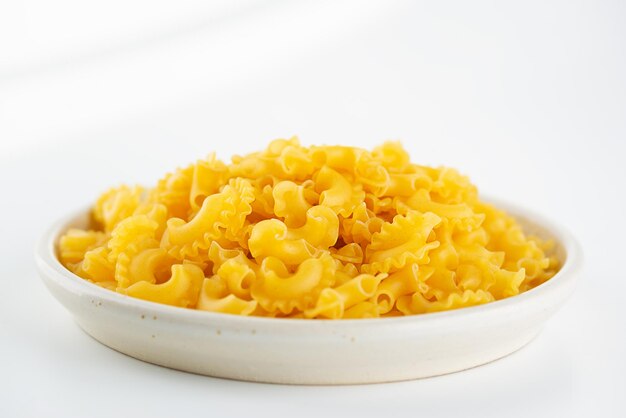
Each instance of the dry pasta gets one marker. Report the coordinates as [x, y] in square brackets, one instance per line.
[308, 232]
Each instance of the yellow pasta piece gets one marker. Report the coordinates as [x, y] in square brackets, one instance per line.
[408, 280]
[293, 246]
[336, 192]
[182, 289]
[326, 232]
[214, 297]
[277, 289]
[115, 205]
[221, 214]
[75, 243]
[292, 201]
[332, 303]
[401, 241]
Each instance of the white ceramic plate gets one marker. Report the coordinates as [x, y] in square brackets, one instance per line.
[312, 351]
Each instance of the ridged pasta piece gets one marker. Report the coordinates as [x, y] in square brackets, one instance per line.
[76, 242]
[298, 163]
[408, 280]
[292, 201]
[96, 266]
[132, 235]
[361, 225]
[214, 297]
[336, 192]
[208, 176]
[219, 255]
[221, 213]
[393, 157]
[349, 253]
[238, 275]
[182, 289]
[417, 304]
[374, 176]
[115, 205]
[383, 207]
[332, 303]
[401, 242]
[450, 187]
[173, 191]
[155, 212]
[149, 265]
[276, 289]
[272, 238]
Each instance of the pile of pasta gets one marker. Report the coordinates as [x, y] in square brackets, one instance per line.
[308, 232]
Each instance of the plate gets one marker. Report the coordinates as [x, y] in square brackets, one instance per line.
[347, 351]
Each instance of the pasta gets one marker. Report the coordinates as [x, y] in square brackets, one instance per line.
[326, 232]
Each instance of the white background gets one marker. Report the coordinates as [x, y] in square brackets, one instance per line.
[527, 98]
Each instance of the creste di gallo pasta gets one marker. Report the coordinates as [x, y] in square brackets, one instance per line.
[308, 232]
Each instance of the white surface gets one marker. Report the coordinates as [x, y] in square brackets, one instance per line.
[313, 351]
[529, 99]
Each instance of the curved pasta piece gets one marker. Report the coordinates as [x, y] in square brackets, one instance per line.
[452, 188]
[276, 289]
[460, 216]
[332, 303]
[221, 213]
[379, 205]
[230, 304]
[344, 272]
[76, 242]
[320, 229]
[291, 203]
[407, 184]
[336, 192]
[238, 275]
[173, 190]
[146, 266]
[214, 297]
[408, 280]
[469, 277]
[115, 205]
[349, 253]
[337, 157]
[417, 304]
[362, 310]
[208, 176]
[132, 235]
[361, 225]
[182, 289]
[263, 203]
[155, 212]
[219, 255]
[96, 266]
[393, 157]
[276, 147]
[269, 238]
[272, 238]
[257, 164]
[401, 242]
[298, 163]
[507, 283]
[372, 174]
